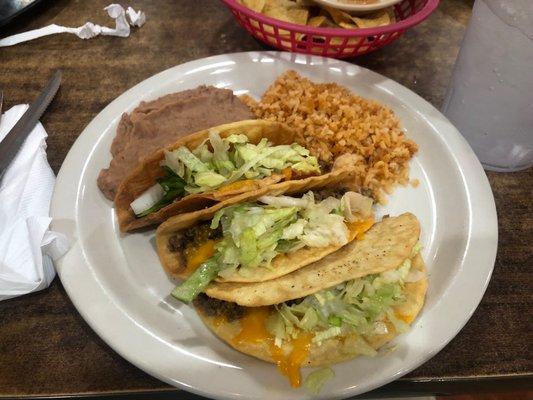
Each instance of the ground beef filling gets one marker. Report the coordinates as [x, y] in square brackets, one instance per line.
[294, 301]
[323, 194]
[325, 166]
[337, 193]
[219, 308]
[193, 236]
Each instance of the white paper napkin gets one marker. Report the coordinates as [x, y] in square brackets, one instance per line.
[88, 30]
[27, 247]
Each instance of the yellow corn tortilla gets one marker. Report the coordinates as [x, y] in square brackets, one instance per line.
[256, 5]
[385, 246]
[347, 21]
[282, 264]
[336, 349]
[287, 11]
[378, 18]
[147, 173]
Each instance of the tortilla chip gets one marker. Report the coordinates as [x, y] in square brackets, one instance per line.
[314, 21]
[287, 11]
[347, 25]
[341, 18]
[173, 264]
[319, 20]
[328, 22]
[379, 18]
[323, 20]
[256, 5]
[306, 3]
[333, 350]
[339, 41]
[385, 246]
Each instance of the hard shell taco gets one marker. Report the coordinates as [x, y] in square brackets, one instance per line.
[259, 241]
[225, 164]
[349, 303]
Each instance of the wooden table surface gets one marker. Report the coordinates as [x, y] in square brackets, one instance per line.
[45, 346]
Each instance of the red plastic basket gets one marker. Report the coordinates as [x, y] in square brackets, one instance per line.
[330, 42]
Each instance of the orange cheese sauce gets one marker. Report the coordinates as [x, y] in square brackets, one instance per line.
[405, 318]
[253, 326]
[287, 173]
[253, 330]
[195, 256]
[247, 184]
[359, 228]
[289, 365]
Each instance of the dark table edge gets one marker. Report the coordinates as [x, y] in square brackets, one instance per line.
[32, 7]
[401, 387]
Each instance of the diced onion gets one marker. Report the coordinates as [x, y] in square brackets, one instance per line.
[356, 206]
[380, 328]
[147, 199]
[284, 201]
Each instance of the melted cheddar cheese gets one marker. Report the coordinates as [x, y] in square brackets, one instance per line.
[253, 330]
[359, 228]
[247, 184]
[196, 255]
[253, 326]
[287, 173]
[405, 318]
[289, 365]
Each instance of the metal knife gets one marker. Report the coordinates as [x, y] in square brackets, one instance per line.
[11, 144]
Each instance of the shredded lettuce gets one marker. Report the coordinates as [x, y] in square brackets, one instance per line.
[253, 234]
[189, 160]
[218, 161]
[316, 379]
[327, 334]
[359, 305]
[320, 224]
[416, 249]
[209, 179]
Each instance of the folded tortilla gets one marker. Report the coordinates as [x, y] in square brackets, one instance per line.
[175, 263]
[334, 350]
[385, 247]
[147, 173]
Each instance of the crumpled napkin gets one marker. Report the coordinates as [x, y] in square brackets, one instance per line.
[27, 247]
[88, 30]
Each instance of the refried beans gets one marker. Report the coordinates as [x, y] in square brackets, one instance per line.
[159, 123]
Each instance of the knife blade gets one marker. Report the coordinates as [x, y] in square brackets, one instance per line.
[10, 146]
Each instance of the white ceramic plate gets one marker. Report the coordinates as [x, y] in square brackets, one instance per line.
[358, 8]
[118, 286]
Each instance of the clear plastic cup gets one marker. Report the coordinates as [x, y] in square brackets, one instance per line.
[490, 97]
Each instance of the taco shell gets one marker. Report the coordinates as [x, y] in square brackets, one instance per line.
[282, 264]
[385, 246]
[333, 350]
[147, 173]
